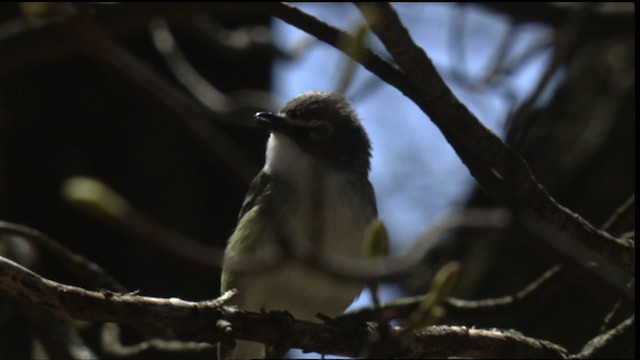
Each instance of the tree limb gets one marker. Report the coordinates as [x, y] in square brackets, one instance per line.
[211, 321]
[85, 269]
[496, 166]
[463, 129]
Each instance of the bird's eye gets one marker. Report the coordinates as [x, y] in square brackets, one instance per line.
[321, 130]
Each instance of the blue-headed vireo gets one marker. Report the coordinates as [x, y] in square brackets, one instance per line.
[313, 195]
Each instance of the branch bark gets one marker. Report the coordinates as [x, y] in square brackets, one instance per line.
[495, 165]
[211, 321]
[471, 140]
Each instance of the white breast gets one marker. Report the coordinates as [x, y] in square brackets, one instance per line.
[334, 217]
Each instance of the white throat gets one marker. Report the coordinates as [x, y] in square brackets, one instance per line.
[343, 220]
[285, 158]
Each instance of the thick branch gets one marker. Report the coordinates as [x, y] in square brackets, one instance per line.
[463, 129]
[336, 37]
[461, 341]
[497, 167]
[211, 321]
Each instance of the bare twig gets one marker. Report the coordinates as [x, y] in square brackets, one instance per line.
[575, 251]
[458, 308]
[98, 43]
[245, 41]
[500, 55]
[614, 17]
[336, 37]
[94, 197]
[57, 334]
[176, 243]
[606, 324]
[505, 67]
[457, 48]
[88, 271]
[622, 218]
[199, 87]
[621, 338]
[566, 42]
[112, 345]
[396, 266]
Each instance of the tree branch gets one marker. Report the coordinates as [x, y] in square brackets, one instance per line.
[466, 342]
[468, 136]
[622, 337]
[212, 322]
[616, 18]
[457, 308]
[496, 166]
[623, 218]
[111, 345]
[335, 37]
[88, 271]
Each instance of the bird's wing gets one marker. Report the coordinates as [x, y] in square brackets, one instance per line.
[243, 239]
[257, 189]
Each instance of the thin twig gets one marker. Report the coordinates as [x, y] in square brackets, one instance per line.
[58, 334]
[575, 251]
[505, 67]
[566, 42]
[96, 42]
[111, 345]
[621, 338]
[397, 266]
[457, 45]
[337, 37]
[200, 88]
[619, 18]
[90, 272]
[458, 308]
[622, 218]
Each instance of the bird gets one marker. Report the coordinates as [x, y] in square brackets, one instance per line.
[312, 197]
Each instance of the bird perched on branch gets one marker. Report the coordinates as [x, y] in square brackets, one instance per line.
[312, 198]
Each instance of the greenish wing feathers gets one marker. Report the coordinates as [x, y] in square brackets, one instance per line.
[257, 189]
[242, 239]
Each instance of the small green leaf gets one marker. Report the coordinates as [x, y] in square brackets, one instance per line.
[430, 310]
[93, 195]
[445, 280]
[376, 240]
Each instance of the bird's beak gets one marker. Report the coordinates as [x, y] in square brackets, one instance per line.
[279, 122]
